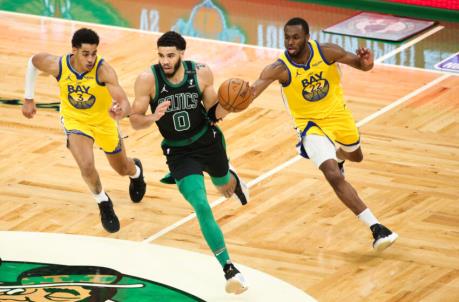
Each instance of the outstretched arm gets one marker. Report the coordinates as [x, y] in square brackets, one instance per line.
[43, 62]
[363, 59]
[276, 71]
[144, 88]
[120, 107]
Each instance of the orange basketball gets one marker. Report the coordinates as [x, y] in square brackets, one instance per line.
[234, 95]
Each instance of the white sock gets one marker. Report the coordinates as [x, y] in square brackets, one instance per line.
[339, 160]
[101, 197]
[367, 217]
[137, 172]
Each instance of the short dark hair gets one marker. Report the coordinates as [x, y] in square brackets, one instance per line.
[84, 35]
[299, 21]
[172, 38]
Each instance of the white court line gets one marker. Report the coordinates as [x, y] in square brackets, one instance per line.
[401, 100]
[220, 200]
[297, 157]
[409, 44]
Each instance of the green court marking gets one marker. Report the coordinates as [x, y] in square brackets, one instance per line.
[83, 10]
[14, 274]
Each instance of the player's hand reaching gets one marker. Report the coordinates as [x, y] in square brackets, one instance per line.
[366, 57]
[28, 108]
[161, 110]
[117, 112]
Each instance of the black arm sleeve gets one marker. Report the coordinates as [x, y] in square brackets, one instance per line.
[211, 114]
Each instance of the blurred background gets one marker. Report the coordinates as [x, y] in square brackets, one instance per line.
[260, 23]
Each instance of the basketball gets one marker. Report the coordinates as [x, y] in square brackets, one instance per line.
[234, 95]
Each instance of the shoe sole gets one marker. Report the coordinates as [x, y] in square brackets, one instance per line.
[235, 287]
[385, 242]
[111, 230]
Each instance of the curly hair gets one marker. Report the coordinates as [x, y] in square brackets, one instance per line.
[84, 35]
[172, 38]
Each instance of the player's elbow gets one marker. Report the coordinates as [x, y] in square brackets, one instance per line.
[135, 122]
[367, 67]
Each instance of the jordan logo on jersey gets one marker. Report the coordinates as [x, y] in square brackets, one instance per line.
[80, 97]
[315, 87]
[164, 89]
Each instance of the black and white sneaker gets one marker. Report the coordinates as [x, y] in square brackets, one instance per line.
[383, 237]
[241, 191]
[108, 217]
[235, 282]
[137, 187]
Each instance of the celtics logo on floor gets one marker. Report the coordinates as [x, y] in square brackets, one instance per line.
[39, 282]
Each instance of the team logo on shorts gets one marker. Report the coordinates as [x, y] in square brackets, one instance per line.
[80, 97]
[315, 87]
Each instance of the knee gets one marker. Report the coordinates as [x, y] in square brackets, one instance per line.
[199, 203]
[358, 158]
[355, 156]
[334, 177]
[202, 208]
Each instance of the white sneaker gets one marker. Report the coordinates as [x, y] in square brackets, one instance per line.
[235, 282]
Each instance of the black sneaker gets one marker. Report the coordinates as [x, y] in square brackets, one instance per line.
[108, 217]
[137, 187]
[241, 190]
[235, 282]
[341, 167]
[383, 237]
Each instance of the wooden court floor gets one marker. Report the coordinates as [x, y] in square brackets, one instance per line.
[294, 228]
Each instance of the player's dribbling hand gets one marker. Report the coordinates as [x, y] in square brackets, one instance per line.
[116, 111]
[28, 108]
[161, 110]
[365, 55]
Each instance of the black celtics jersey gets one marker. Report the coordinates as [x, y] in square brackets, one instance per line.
[186, 114]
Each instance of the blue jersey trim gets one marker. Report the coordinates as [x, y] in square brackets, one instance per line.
[60, 69]
[322, 55]
[78, 75]
[350, 145]
[300, 145]
[304, 66]
[97, 73]
[75, 131]
[289, 74]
